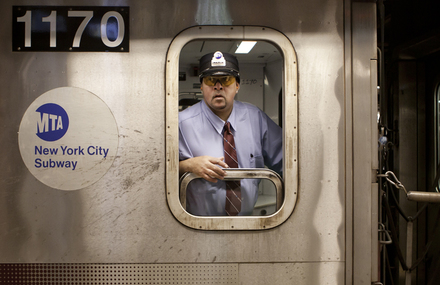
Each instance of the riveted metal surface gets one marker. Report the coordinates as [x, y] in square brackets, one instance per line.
[124, 217]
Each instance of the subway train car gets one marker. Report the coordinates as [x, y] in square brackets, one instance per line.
[90, 190]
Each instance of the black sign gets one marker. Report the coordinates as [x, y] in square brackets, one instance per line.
[70, 28]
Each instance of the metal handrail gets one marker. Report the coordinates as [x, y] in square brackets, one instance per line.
[239, 173]
[418, 196]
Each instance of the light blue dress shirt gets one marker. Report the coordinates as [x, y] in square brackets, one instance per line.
[258, 141]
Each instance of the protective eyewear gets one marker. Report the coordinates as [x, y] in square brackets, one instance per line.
[224, 80]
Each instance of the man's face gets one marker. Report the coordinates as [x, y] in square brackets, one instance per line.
[219, 93]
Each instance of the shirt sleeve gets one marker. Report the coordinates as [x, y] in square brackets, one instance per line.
[184, 151]
[272, 144]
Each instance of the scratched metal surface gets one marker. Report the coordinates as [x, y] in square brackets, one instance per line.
[124, 217]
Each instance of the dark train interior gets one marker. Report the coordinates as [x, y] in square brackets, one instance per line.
[409, 78]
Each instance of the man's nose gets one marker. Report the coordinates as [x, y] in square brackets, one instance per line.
[218, 85]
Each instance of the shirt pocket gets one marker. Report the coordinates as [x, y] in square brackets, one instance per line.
[256, 160]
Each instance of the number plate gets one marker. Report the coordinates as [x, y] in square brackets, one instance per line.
[70, 28]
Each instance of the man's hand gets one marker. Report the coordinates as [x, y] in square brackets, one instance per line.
[207, 167]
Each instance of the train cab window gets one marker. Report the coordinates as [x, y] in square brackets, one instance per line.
[268, 80]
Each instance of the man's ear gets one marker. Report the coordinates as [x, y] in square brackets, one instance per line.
[237, 86]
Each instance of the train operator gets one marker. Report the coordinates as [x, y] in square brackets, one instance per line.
[218, 131]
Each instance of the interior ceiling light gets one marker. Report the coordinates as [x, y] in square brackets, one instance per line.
[245, 47]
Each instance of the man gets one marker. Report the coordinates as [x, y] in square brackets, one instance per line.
[219, 129]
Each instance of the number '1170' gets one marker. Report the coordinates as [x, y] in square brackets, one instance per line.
[87, 17]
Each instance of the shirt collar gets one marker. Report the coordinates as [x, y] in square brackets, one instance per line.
[215, 120]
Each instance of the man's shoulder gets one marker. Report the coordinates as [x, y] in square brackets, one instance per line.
[190, 112]
[244, 106]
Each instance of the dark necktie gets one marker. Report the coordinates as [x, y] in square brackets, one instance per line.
[233, 191]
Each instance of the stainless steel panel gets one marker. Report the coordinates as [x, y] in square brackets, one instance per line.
[124, 217]
[364, 161]
[116, 218]
[292, 273]
[348, 132]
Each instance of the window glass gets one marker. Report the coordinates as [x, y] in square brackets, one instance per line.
[260, 85]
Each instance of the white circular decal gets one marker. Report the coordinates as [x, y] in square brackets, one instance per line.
[68, 138]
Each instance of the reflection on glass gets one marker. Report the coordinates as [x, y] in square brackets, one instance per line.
[267, 198]
[200, 191]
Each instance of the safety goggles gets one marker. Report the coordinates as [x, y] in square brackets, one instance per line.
[224, 80]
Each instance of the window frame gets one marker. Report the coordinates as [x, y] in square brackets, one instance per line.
[290, 127]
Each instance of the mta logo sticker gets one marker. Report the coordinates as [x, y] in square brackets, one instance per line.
[218, 59]
[68, 150]
[52, 123]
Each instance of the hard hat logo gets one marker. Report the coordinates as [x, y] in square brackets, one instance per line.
[218, 59]
[219, 64]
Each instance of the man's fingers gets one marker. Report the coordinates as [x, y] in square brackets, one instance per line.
[217, 172]
[223, 164]
[209, 178]
[208, 168]
[220, 161]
